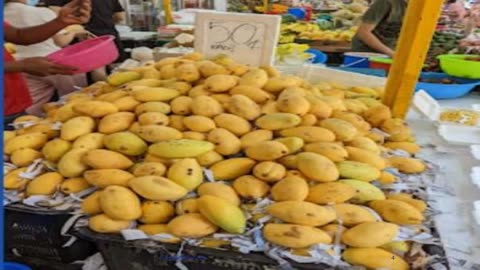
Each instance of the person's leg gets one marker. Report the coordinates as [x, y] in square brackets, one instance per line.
[41, 90]
[66, 84]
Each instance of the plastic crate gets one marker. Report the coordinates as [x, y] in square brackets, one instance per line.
[39, 264]
[119, 254]
[35, 233]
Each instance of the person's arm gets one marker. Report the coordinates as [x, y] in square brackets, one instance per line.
[55, 9]
[365, 33]
[38, 66]
[63, 39]
[75, 12]
[119, 17]
[374, 15]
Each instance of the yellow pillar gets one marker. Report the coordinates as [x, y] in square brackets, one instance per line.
[167, 8]
[418, 27]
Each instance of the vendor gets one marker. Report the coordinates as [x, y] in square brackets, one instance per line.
[380, 27]
[16, 96]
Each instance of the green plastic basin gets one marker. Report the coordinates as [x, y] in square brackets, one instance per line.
[456, 65]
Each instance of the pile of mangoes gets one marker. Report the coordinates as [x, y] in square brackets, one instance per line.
[146, 138]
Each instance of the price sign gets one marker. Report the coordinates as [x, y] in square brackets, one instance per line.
[247, 38]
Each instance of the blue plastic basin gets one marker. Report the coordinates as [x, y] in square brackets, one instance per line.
[320, 57]
[15, 266]
[299, 13]
[446, 91]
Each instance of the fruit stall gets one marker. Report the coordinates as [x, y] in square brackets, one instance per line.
[201, 161]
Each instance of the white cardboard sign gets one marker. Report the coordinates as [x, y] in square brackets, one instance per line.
[247, 38]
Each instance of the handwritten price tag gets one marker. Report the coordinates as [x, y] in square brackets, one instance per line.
[247, 38]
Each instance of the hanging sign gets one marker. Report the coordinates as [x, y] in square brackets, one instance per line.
[247, 38]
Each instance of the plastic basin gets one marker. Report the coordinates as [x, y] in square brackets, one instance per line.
[87, 55]
[320, 57]
[299, 13]
[456, 65]
[446, 91]
[15, 266]
[359, 59]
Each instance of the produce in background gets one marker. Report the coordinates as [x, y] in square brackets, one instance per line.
[145, 140]
[292, 51]
[313, 31]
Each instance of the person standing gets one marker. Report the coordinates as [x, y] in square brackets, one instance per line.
[380, 27]
[23, 14]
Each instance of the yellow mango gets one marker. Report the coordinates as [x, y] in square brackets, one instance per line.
[334, 230]
[181, 105]
[295, 236]
[355, 106]
[199, 90]
[365, 191]
[71, 164]
[149, 94]
[333, 151]
[76, 127]
[269, 107]
[119, 78]
[176, 122]
[233, 123]
[223, 99]
[377, 115]
[65, 113]
[153, 229]
[95, 108]
[180, 148]
[106, 159]
[317, 167]
[120, 203]
[407, 165]
[244, 107]
[126, 104]
[186, 172]
[410, 147]
[199, 123]
[356, 120]
[291, 188]
[269, 171]
[24, 157]
[89, 141]
[302, 213]
[396, 247]
[222, 213]
[365, 156]
[91, 204]
[220, 83]
[148, 168]
[397, 212]
[271, 71]
[295, 104]
[310, 134]
[254, 93]
[209, 158]
[277, 84]
[319, 108]
[13, 180]
[168, 72]
[74, 185]
[386, 178]
[156, 212]
[192, 225]
[187, 72]
[106, 177]
[255, 77]
[157, 188]
[104, 224]
[365, 143]
[116, 122]
[351, 214]
[408, 198]
[45, 184]
[8, 134]
[155, 133]
[209, 68]
[343, 130]
[126, 143]
[153, 106]
[374, 258]
[278, 121]
[327, 193]
[187, 206]
[55, 149]
[266, 151]
[358, 170]
[112, 96]
[226, 143]
[192, 135]
[32, 140]
[220, 190]
[256, 136]
[250, 187]
[206, 106]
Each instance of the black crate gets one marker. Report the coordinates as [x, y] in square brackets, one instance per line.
[35, 233]
[39, 264]
[143, 255]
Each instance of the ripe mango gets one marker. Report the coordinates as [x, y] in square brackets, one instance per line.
[269, 171]
[377, 115]
[157, 188]
[374, 258]
[95, 108]
[103, 224]
[266, 151]
[106, 159]
[250, 187]
[397, 212]
[244, 107]
[358, 170]
[76, 127]
[206, 106]
[317, 167]
[291, 188]
[71, 164]
[256, 136]
[302, 213]
[309, 134]
[343, 130]
[407, 165]
[254, 77]
[55, 149]
[365, 156]
[186, 172]
[220, 83]
[226, 143]
[153, 106]
[254, 93]
[409, 147]
[148, 168]
[24, 157]
[13, 180]
[32, 140]
[126, 143]
[187, 206]
[293, 103]
[180, 148]
[222, 213]
[351, 214]
[91, 204]
[156, 212]
[116, 122]
[333, 151]
[106, 177]
[155, 133]
[209, 158]
[220, 190]
[294, 144]
[120, 203]
[233, 123]
[379, 233]
[148, 94]
[295, 236]
[327, 193]
[74, 185]
[119, 78]
[89, 141]
[199, 123]
[408, 198]
[192, 225]
[365, 143]
[365, 191]
[45, 184]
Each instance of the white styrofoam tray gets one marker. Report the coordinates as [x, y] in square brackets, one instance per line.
[475, 150]
[476, 211]
[475, 175]
[429, 107]
[458, 134]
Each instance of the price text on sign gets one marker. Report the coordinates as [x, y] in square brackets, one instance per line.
[249, 39]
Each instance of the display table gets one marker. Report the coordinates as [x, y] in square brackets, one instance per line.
[458, 229]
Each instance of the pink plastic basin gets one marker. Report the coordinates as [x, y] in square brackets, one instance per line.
[87, 55]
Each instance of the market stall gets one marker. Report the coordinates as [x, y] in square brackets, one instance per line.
[203, 154]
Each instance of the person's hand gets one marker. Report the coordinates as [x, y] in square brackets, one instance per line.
[41, 66]
[75, 12]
